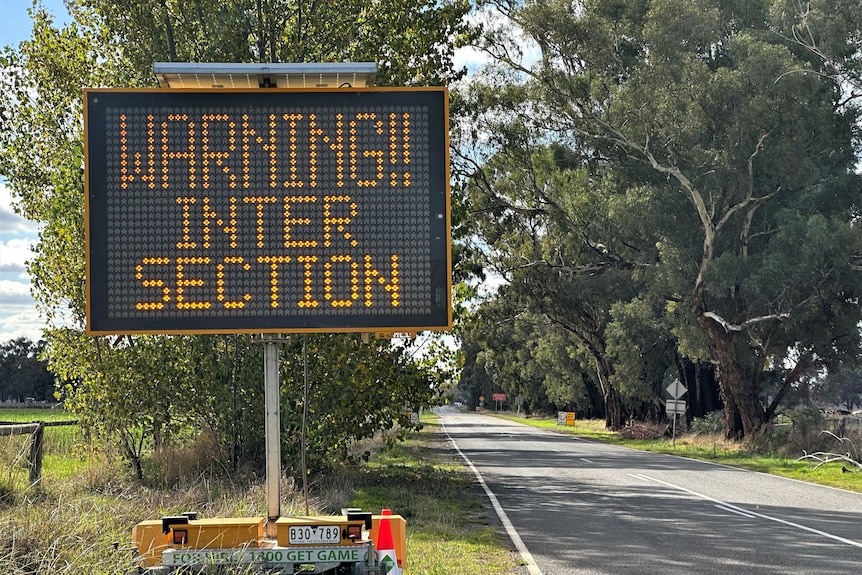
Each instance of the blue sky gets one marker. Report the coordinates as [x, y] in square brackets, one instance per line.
[18, 316]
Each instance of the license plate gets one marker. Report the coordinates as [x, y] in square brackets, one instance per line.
[313, 534]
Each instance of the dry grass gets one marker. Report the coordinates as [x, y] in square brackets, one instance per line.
[70, 527]
[70, 522]
[639, 430]
[78, 518]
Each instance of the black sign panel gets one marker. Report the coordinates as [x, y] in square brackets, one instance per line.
[227, 211]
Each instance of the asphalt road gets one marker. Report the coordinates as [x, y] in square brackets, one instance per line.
[578, 507]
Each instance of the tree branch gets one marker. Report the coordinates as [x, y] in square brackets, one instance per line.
[747, 323]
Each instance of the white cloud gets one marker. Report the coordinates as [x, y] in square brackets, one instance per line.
[490, 18]
[470, 58]
[16, 239]
[14, 293]
[14, 255]
[11, 222]
[24, 321]
[18, 315]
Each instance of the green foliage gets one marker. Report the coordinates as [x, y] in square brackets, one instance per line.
[641, 347]
[413, 41]
[500, 357]
[543, 211]
[796, 432]
[146, 393]
[707, 193]
[712, 422]
[843, 388]
[356, 391]
[827, 32]
[474, 379]
[806, 420]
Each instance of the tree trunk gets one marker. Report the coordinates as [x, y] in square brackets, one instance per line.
[710, 393]
[743, 412]
[703, 393]
[792, 377]
[595, 396]
[132, 454]
[614, 410]
[732, 420]
[615, 413]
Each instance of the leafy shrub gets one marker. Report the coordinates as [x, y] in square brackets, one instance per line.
[797, 430]
[712, 422]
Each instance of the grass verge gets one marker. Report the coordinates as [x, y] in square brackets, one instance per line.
[68, 524]
[448, 528]
[710, 447]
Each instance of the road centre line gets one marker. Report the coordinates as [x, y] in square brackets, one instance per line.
[526, 556]
[585, 460]
[741, 511]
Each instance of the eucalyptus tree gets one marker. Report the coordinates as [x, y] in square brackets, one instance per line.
[544, 212]
[474, 381]
[503, 358]
[412, 41]
[139, 388]
[704, 107]
[828, 30]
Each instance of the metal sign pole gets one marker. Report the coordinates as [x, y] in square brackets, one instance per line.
[305, 419]
[272, 425]
[673, 444]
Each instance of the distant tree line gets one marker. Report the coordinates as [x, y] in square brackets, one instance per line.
[24, 376]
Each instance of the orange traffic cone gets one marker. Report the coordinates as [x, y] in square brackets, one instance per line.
[386, 547]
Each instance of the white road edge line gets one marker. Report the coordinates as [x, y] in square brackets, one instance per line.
[526, 556]
[732, 507]
[731, 510]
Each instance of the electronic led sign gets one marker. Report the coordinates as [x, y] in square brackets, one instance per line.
[221, 211]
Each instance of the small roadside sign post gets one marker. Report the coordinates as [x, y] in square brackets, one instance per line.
[566, 418]
[675, 405]
[498, 398]
[676, 389]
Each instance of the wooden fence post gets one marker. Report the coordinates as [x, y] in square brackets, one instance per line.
[37, 442]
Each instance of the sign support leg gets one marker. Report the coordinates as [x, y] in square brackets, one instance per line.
[272, 425]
